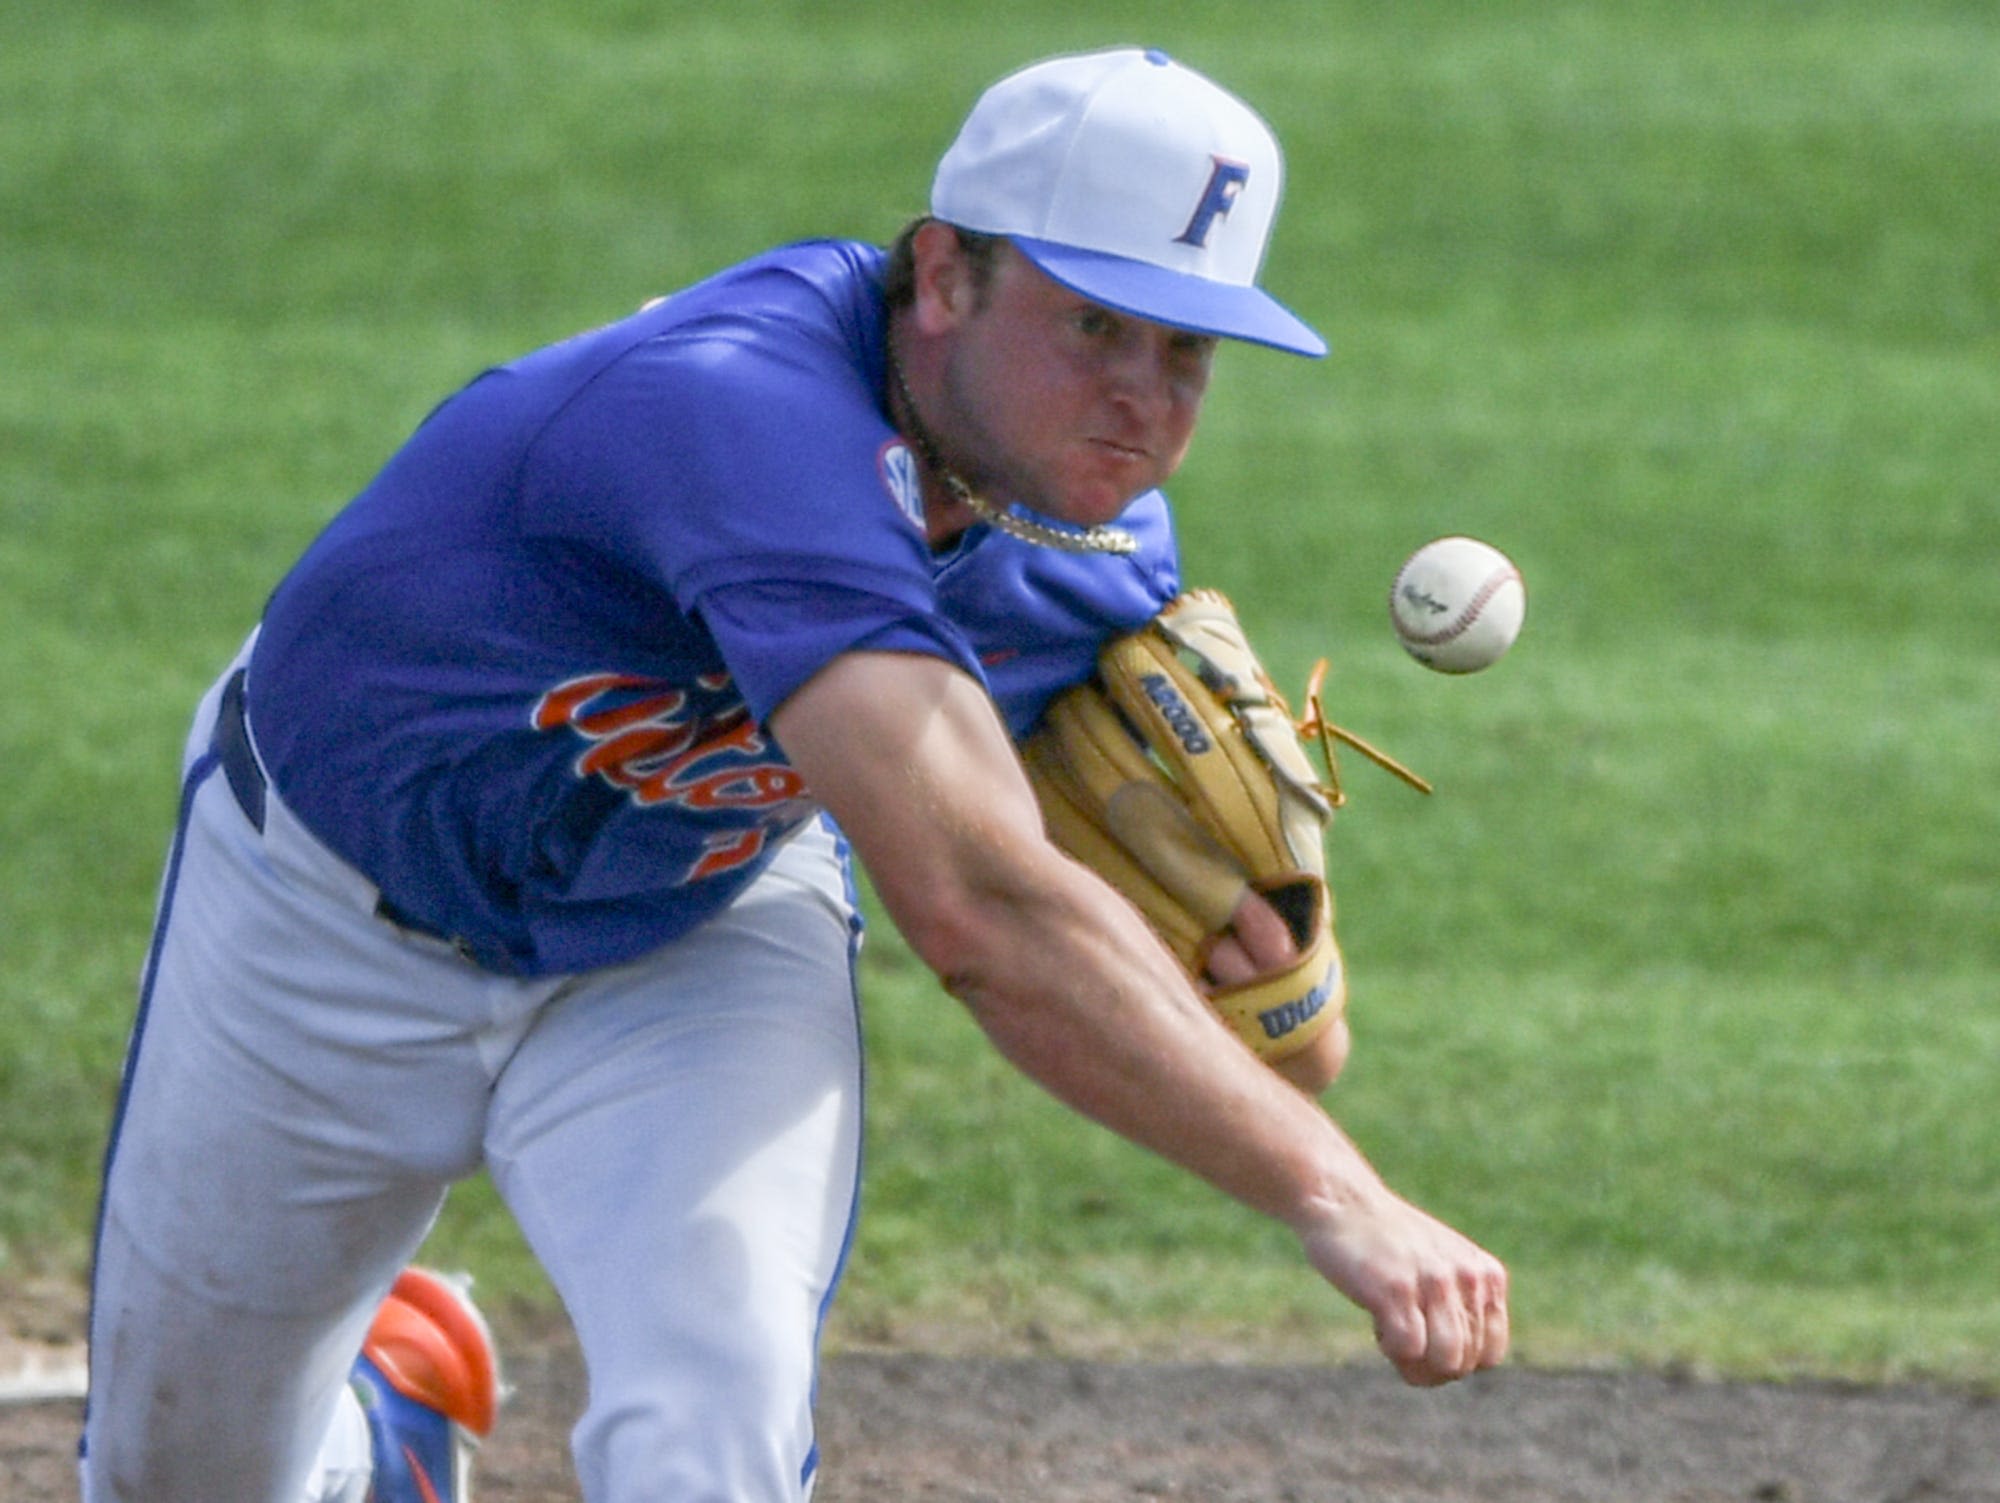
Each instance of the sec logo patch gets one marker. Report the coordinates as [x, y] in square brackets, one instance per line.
[899, 478]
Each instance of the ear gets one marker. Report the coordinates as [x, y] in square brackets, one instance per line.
[945, 292]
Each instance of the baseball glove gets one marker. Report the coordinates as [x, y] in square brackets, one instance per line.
[1178, 775]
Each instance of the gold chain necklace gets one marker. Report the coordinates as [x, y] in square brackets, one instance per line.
[1028, 529]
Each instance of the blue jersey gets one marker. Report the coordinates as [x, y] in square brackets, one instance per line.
[521, 681]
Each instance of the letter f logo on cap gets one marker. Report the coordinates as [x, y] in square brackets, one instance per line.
[1224, 183]
[1110, 172]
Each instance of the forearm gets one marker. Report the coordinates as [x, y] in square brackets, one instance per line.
[1077, 992]
[1099, 1014]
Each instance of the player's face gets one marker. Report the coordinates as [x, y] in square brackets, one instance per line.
[1065, 405]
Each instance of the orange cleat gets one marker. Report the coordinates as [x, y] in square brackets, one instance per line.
[429, 1383]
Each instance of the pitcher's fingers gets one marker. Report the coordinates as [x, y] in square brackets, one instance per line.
[1229, 964]
[1402, 1337]
[1498, 1329]
[1426, 1345]
[1452, 1329]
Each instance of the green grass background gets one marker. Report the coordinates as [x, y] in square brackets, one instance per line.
[1683, 993]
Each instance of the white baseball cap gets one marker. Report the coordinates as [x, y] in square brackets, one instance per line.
[1131, 180]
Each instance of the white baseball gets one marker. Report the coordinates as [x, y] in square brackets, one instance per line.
[1457, 604]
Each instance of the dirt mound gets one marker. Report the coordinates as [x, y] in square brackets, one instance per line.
[902, 1428]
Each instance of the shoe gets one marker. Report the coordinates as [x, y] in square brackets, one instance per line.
[429, 1383]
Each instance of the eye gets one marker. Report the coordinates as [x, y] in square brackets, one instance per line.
[1190, 356]
[1095, 322]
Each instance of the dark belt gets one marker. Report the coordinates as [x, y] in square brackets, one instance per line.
[231, 744]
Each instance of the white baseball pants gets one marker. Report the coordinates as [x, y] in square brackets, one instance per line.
[678, 1138]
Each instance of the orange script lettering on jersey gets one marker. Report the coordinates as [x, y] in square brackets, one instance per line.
[663, 745]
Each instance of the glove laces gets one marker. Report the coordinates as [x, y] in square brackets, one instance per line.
[1317, 726]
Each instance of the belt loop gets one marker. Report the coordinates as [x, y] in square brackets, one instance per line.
[239, 761]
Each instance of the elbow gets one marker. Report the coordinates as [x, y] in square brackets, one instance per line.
[1319, 1064]
[950, 940]
[984, 929]
[994, 968]
[1316, 1065]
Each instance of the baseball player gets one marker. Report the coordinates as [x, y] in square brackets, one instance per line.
[519, 833]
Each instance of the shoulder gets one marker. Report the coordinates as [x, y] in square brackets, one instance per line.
[775, 362]
[813, 287]
[813, 309]
[798, 330]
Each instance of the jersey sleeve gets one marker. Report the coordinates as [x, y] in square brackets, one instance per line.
[775, 636]
[743, 473]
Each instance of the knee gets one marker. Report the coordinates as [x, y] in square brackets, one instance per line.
[720, 1422]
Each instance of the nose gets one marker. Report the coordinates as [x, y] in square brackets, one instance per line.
[1139, 369]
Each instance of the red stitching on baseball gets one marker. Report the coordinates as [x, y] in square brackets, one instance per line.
[1465, 618]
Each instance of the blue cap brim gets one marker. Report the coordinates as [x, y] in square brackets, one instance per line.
[1173, 298]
